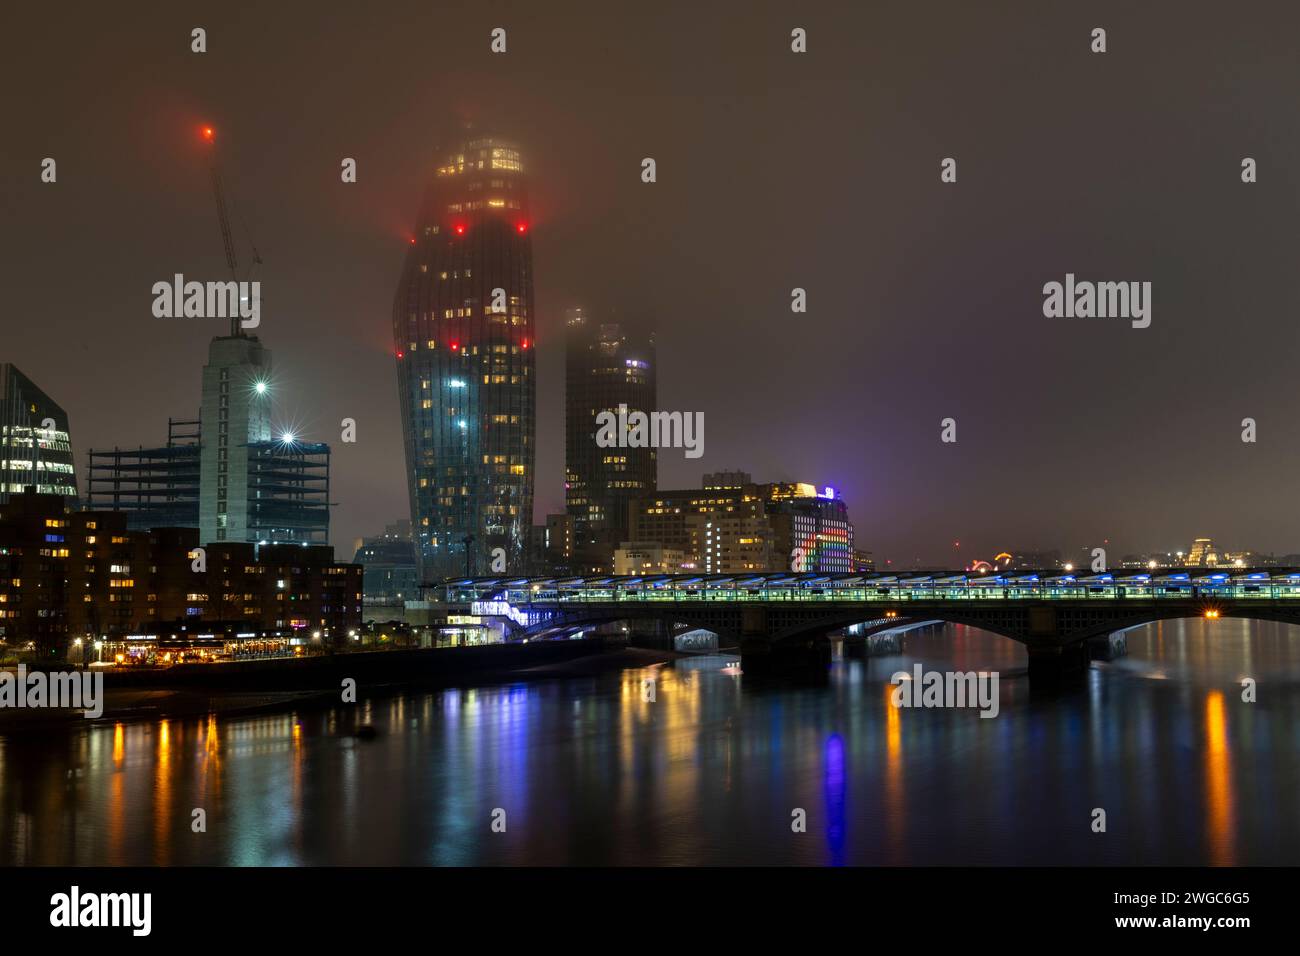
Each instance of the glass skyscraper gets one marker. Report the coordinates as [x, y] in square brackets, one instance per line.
[35, 446]
[464, 341]
[606, 366]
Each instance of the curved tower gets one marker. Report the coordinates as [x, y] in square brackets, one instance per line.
[464, 342]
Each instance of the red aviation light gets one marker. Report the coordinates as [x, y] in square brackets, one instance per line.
[525, 343]
[455, 346]
[413, 240]
[459, 228]
[401, 354]
[209, 133]
[521, 228]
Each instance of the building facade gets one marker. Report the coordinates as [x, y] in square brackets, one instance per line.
[392, 573]
[649, 557]
[463, 330]
[606, 366]
[35, 440]
[734, 525]
[66, 575]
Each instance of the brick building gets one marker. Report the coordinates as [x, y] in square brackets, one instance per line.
[66, 575]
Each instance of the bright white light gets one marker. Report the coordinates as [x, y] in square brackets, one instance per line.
[463, 423]
[455, 383]
[287, 438]
[260, 387]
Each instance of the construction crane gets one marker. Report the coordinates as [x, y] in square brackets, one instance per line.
[227, 238]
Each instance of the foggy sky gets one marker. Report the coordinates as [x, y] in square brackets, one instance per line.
[775, 170]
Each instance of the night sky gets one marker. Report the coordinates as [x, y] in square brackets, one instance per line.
[775, 170]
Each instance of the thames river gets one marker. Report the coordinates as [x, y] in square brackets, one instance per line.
[713, 770]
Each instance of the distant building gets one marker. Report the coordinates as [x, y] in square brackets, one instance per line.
[558, 544]
[606, 366]
[392, 574]
[1202, 554]
[35, 440]
[1035, 560]
[649, 557]
[734, 526]
[864, 562]
[67, 575]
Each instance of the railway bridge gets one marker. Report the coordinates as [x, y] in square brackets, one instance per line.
[782, 622]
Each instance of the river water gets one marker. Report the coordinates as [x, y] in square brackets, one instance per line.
[712, 771]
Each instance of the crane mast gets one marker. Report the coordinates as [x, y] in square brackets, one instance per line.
[227, 237]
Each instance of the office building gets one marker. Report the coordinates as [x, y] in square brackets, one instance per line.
[734, 525]
[35, 440]
[649, 557]
[607, 367]
[392, 572]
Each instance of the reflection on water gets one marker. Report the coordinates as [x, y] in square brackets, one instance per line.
[710, 772]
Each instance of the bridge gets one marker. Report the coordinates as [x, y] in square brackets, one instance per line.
[781, 622]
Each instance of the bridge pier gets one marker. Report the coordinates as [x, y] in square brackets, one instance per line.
[799, 659]
[655, 635]
[1051, 663]
[873, 645]
[1107, 647]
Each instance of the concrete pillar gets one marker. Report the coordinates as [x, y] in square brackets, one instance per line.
[1107, 647]
[1057, 662]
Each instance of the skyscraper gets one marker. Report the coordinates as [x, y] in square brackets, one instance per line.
[463, 334]
[35, 445]
[605, 367]
[235, 411]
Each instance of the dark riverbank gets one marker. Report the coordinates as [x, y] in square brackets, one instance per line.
[263, 686]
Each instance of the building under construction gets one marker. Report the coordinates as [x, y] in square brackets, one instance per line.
[286, 482]
[154, 487]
